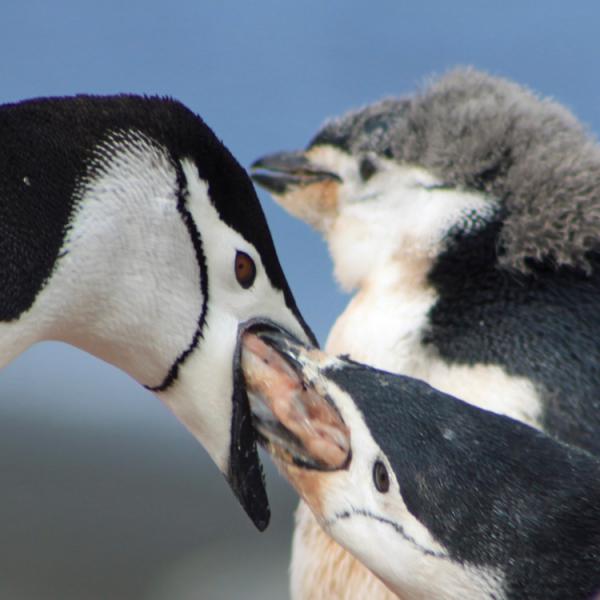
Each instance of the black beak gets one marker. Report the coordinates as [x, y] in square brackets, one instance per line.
[245, 474]
[278, 172]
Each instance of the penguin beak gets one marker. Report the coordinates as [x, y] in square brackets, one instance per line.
[304, 188]
[279, 172]
[297, 424]
[244, 473]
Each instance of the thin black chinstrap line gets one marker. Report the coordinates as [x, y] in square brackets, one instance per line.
[397, 528]
[197, 243]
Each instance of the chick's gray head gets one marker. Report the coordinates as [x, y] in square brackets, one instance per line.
[400, 175]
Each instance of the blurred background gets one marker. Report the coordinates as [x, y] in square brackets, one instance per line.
[103, 495]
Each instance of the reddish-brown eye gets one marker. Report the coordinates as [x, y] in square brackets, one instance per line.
[381, 477]
[245, 269]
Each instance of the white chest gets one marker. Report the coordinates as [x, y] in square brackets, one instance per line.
[382, 326]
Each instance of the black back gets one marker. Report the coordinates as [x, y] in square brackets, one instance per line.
[543, 325]
[46, 146]
[493, 491]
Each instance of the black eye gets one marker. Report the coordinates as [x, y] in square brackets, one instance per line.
[381, 479]
[367, 169]
[245, 269]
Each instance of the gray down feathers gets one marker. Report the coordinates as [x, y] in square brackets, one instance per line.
[474, 130]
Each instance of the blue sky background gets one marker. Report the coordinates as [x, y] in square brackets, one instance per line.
[102, 490]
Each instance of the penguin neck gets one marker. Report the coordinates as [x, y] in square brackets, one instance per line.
[126, 286]
[133, 300]
[395, 291]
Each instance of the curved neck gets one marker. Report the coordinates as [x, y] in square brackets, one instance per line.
[126, 286]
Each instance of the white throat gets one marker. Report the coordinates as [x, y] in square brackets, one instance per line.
[390, 311]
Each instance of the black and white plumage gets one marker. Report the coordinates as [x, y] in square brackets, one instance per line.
[467, 219]
[129, 230]
[440, 498]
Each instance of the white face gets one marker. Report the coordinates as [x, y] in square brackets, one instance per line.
[206, 377]
[128, 287]
[372, 522]
[389, 212]
[362, 509]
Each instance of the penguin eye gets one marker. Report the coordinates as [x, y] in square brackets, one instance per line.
[381, 479]
[367, 169]
[245, 269]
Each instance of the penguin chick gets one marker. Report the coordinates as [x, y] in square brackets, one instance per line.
[437, 497]
[466, 217]
[129, 230]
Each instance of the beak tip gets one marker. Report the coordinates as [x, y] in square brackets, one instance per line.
[277, 172]
[251, 493]
[275, 185]
[262, 524]
[261, 519]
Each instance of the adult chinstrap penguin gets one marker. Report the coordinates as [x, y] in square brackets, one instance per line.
[439, 498]
[467, 219]
[129, 230]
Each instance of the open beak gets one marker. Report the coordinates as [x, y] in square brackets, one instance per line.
[245, 473]
[281, 171]
[298, 425]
